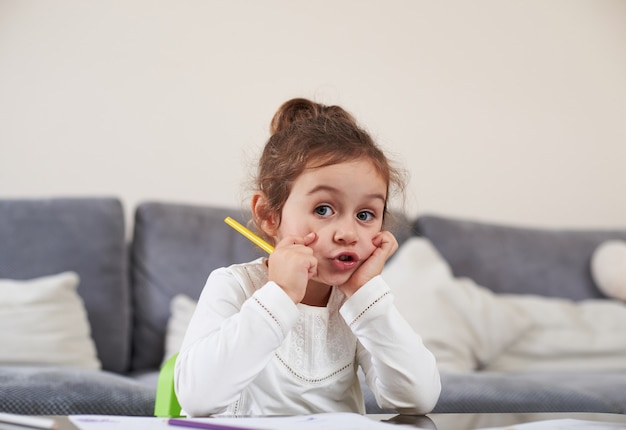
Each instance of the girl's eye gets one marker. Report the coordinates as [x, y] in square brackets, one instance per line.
[324, 210]
[365, 216]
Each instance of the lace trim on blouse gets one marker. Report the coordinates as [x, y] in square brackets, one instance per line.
[321, 345]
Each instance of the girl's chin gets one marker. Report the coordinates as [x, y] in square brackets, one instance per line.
[334, 280]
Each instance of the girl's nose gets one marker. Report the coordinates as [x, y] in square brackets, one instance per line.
[345, 232]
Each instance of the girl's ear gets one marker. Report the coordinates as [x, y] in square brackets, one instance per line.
[264, 219]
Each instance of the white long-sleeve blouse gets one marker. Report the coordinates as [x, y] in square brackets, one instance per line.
[249, 350]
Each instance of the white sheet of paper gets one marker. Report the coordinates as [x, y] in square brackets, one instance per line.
[563, 424]
[329, 421]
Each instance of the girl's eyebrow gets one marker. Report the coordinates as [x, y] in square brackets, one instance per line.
[334, 190]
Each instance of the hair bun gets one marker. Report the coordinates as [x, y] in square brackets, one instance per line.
[299, 109]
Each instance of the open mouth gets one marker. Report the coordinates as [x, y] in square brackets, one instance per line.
[346, 261]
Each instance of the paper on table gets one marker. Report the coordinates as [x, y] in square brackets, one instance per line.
[329, 421]
[563, 424]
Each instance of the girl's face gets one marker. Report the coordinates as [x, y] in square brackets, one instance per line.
[343, 204]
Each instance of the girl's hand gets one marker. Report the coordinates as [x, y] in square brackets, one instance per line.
[386, 244]
[292, 264]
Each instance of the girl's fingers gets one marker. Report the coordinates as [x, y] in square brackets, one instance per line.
[309, 239]
[297, 240]
[386, 242]
[292, 264]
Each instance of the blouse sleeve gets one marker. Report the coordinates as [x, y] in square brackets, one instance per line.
[230, 339]
[401, 372]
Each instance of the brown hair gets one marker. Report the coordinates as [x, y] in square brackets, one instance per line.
[305, 134]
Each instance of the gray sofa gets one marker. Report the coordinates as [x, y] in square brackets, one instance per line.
[128, 277]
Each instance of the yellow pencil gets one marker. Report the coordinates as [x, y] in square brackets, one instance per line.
[251, 236]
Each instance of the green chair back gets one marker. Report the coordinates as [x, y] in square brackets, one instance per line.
[166, 404]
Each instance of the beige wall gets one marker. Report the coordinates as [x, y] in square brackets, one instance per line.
[509, 111]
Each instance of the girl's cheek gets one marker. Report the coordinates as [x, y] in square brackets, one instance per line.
[371, 251]
[368, 248]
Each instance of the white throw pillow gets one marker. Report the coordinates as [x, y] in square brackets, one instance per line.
[469, 327]
[44, 321]
[566, 335]
[608, 268]
[182, 308]
[463, 324]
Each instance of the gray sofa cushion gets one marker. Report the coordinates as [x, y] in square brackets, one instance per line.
[553, 263]
[41, 237]
[57, 391]
[487, 392]
[494, 392]
[174, 250]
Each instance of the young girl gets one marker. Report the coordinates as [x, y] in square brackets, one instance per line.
[285, 334]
